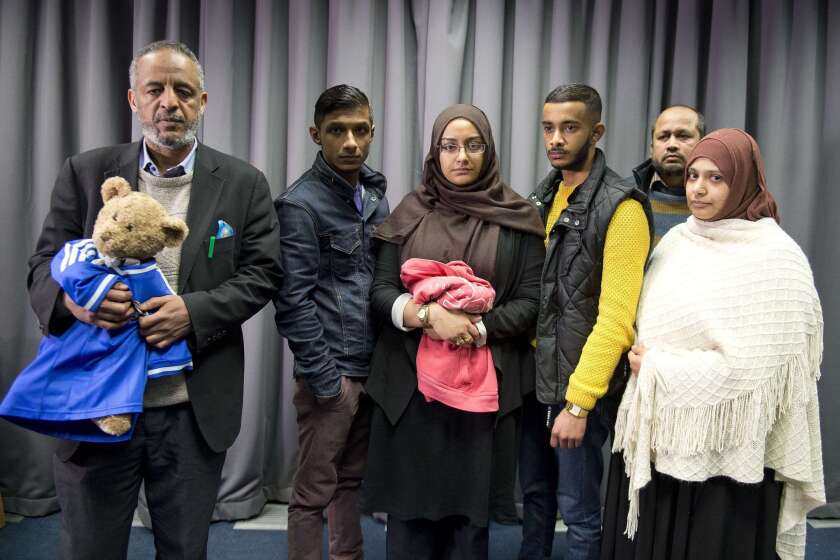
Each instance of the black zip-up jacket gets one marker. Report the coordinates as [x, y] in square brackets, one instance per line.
[571, 278]
[643, 175]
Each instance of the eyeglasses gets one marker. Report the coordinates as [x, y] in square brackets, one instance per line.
[470, 147]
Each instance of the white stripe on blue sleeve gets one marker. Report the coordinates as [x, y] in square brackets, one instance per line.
[103, 285]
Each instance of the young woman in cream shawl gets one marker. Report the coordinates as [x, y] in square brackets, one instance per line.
[717, 440]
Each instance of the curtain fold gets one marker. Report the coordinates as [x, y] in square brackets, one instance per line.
[770, 66]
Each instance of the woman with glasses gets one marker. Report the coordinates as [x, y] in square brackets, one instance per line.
[440, 472]
[718, 431]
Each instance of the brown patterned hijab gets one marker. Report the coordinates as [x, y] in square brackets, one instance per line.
[444, 222]
[739, 159]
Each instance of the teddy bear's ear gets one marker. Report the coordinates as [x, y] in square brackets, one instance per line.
[115, 186]
[174, 231]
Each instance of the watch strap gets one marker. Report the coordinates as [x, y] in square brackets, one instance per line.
[423, 316]
[576, 410]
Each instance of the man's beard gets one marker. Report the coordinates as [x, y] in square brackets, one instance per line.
[672, 175]
[151, 133]
[579, 161]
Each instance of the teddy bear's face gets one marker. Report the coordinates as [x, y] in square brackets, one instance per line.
[134, 225]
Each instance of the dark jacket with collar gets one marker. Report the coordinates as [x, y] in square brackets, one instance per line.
[220, 293]
[571, 278]
[323, 307]
[643, 175]
[672, 204]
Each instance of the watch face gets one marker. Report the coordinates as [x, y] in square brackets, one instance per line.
[574, 409]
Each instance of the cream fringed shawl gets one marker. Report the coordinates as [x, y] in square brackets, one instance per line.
[732, 326]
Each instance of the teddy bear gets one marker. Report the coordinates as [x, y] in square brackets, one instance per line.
[89, 373]
[131, 225]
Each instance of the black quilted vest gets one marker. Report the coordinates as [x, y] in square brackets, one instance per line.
[571, 278]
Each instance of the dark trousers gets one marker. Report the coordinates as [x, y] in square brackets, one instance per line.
[451, 538]
[564, 479]
[97, 487]
[333, 437]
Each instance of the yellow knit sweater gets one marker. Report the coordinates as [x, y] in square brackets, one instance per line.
[625, 252]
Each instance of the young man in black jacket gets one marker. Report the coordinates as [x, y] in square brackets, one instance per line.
[597, 239]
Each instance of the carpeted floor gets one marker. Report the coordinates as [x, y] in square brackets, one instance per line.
[38, 539]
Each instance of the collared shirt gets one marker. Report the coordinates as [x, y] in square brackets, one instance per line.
[359, 198]
[186, 164]
[657, 184]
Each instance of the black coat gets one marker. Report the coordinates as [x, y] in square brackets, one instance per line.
[220, 293]
[571, 282]
[643, 175]
[510, 326]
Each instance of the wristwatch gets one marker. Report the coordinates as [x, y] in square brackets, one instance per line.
[576, 411]
[423, 316]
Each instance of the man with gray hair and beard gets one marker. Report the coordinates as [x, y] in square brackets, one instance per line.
[225, 271]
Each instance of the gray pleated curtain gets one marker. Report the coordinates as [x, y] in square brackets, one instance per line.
[770, 66]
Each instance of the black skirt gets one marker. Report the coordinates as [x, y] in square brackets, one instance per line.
[718, 518]
[434, 463]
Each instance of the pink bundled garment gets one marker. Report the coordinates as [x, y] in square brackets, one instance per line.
[461, 377]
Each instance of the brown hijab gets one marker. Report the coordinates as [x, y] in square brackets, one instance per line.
[739, 159]
[444, 222]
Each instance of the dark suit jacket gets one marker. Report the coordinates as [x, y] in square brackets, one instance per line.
[220, 292]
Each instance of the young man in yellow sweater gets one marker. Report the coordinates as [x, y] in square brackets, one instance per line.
[598, 235]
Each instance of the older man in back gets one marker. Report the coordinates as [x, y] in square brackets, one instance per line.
[673, 135]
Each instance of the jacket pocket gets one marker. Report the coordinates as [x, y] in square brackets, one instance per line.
[223, 245]
[569, 250]
[223, 262]
[345, 251]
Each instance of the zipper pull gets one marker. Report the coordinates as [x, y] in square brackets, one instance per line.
[548, 417]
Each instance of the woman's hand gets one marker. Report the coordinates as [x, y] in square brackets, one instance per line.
[431, 334]
[453, 325]
[634, 356]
